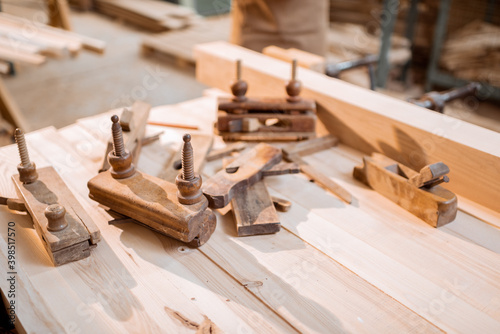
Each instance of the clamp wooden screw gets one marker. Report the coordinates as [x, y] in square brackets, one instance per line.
[188, 182]
[27, 169]
[119, 159]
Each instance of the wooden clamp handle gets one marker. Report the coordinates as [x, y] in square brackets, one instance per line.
[220, 188]
[430, 175]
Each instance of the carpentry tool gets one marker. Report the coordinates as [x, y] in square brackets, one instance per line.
[294, 153]
[133, 122]
[240, 183]
[419, 193]
[202, 143]
[65, 229]
[334, 69]
[177, 210]
[256, 119]
[436, 100]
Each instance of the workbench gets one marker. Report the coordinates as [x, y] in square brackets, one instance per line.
[366, 267]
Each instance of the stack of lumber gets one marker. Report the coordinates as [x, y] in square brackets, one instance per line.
[26, 42]
[370, 14]
[155, 16]
[349, 41]
[19, 47]
[473, 53]
[180, 43]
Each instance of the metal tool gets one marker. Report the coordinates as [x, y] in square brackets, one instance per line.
[437, 100]
[334, 70]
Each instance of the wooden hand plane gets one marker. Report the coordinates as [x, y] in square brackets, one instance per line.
[177, 210]
[419, 193]
[240, 183]
[64, 227]
[257, 119]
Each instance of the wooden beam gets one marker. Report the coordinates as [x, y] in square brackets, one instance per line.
[74, 40]
[371, 122]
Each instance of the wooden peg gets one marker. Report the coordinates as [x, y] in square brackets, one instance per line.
[63, 245]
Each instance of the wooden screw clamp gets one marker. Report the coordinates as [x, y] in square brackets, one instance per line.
[178, 211]
[65, 229]
[240, 183]
[257, 119]
[419, 193]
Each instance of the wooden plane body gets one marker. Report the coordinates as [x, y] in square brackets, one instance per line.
[266, 119]
[79, 237]
[436, 205]
[153, 202]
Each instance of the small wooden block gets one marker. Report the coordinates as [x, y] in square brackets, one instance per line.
[127, 120]
[74, 242]
[436, 206]
[132, 139]
[220, 188]
[254, 211]
[202, 144]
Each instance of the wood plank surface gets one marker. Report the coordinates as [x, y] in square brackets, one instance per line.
[372, 122]
[366, 267]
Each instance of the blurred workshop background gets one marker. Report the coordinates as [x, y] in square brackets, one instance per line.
[401, 48]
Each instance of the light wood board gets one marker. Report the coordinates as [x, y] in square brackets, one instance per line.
[367, 267]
